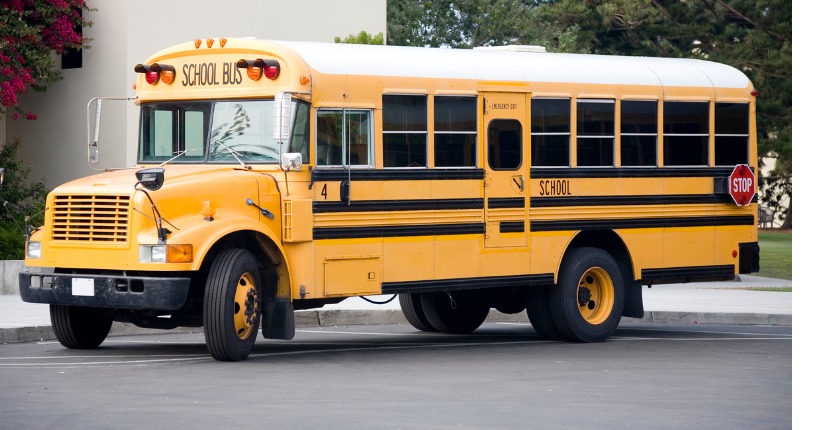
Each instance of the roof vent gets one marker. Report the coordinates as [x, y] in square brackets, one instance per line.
[513, 48]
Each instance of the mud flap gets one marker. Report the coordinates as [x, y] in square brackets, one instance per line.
[633, 307]
[278, 319]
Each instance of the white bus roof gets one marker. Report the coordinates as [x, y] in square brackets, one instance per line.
[501, 65]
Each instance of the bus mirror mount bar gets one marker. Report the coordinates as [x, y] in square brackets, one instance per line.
[92, 141]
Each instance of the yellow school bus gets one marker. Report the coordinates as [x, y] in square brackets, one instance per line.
[275, 176]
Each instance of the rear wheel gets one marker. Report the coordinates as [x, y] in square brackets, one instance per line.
[458, 312]
[587, 302]
[414, 312]
[233, 307]
[79, 327]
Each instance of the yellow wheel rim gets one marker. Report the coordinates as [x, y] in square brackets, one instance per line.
[245, 306]
[595, 295]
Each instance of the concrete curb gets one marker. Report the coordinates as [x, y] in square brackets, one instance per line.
[332, 318]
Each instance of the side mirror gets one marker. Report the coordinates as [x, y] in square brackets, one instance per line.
[291, 161]
[282, 118]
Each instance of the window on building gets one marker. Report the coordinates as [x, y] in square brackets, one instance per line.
[594, 133]
[638, 133]
[405, 131]
[455, 131]
[344, 137]
[731, 134]
[686, 133]
[550, 132]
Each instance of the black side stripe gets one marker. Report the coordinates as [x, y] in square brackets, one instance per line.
[508, 202]
[679, 199]
[515, 227]
[397, 205]
[396, 175]
[687, 274]
[544, 279]
[604, 224]
[397, 231]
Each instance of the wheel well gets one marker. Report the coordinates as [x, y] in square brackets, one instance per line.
[265, 251]
[608, 241]
[611, 243]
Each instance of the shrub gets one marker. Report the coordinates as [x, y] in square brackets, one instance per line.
[21, 202]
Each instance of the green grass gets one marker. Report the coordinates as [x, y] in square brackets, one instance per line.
[776, 253]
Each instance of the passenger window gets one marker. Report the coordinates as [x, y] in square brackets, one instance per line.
[731, 134]
[638, 133]
[344, 138]
[550, 132]
[594, 133]
[405, 131]
[455, 131]
[686, 133]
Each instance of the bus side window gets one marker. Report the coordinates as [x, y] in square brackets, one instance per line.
[686, 133]
[344, 137]
[404, 131]
[329, 152]
[731, 134]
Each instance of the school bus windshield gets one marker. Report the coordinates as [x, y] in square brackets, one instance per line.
[215, 131]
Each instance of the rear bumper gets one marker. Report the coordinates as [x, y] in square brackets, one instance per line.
[104, 291]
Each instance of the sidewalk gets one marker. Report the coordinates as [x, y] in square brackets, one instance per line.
[732, 302]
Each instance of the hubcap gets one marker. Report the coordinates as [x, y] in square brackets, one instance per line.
[245, 306]
[595, 295]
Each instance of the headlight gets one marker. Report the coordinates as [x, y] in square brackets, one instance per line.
[33, 250]
[165, 253]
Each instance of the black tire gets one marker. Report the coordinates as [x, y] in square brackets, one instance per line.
[537, 304]
[456, 313]
[233, 308]
[588, 300]
[414, 312]
[79, 327]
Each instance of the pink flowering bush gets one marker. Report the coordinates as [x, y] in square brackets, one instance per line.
[30, 30]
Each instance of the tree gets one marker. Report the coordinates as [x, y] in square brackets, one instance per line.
[30, 31]
[754, 36]
[362, 38]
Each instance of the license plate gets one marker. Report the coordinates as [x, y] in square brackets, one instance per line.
[83, 287]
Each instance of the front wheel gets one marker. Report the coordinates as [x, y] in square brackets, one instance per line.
[232, 307]
[587, 302]
[79, 327]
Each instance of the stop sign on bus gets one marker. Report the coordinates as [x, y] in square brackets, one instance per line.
[742, 185]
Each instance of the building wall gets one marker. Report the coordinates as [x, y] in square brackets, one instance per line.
[127, 32]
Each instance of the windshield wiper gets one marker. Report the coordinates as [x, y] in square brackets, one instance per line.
[234, 153]
[179, 154]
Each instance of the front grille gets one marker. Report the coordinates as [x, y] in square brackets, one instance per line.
[90, 218]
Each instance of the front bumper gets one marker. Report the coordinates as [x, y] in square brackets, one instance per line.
[104, 291]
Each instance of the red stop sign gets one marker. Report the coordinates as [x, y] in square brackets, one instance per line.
[742, 185]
